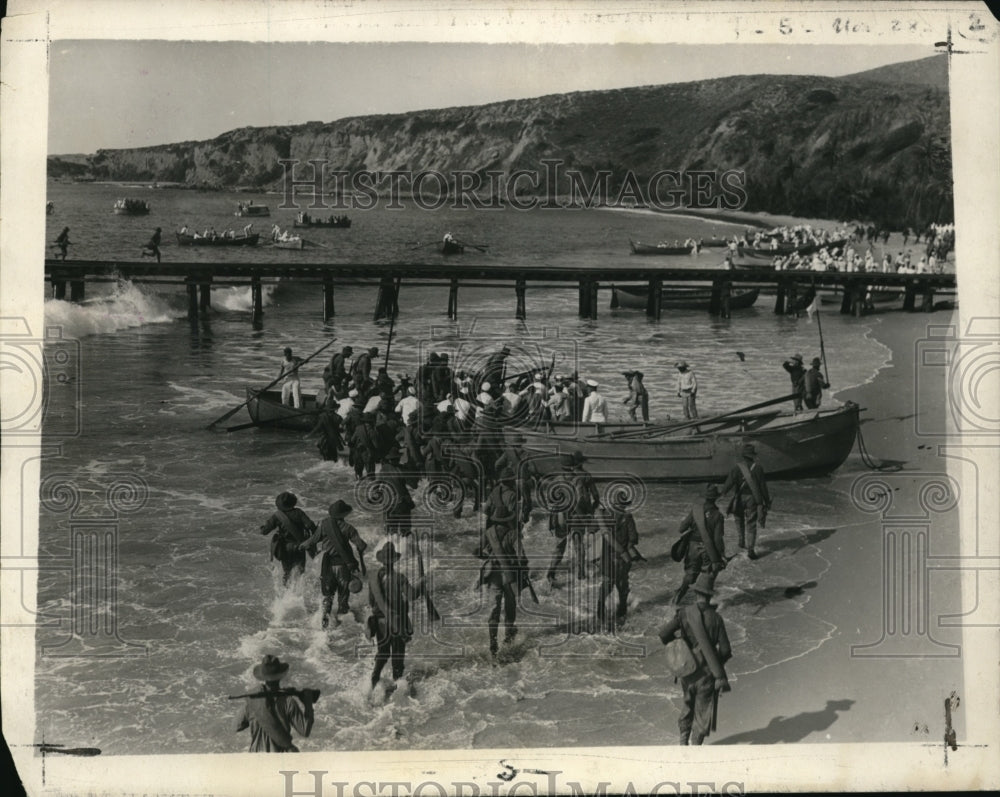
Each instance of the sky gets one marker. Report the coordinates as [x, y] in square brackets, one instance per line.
[109, 94]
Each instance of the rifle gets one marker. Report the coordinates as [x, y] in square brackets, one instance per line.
[715, 710]
[432, 611]
[312, 695]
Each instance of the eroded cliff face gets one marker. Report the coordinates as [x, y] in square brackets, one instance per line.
[852, 147]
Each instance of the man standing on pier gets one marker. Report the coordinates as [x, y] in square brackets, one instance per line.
[751, 500]
[687, 389]
[704, 632]
[152, 247]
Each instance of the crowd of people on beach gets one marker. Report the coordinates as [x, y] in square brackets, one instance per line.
[443, 428]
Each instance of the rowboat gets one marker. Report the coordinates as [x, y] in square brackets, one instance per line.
[658, 249]
[787, 249]
[789, 445]
[715, 242]
[243, 209]
[289, 243]
[635, 298]
[452, 248]
[305, 220]
[184, 239]
[131, 207]
[266, 410]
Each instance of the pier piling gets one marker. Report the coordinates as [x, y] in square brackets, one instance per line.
[654, 299]
[453, 300]
[779, 299]
[327, 297]
[519, 289]
[205, 295]
[192, 292]
[257, 301]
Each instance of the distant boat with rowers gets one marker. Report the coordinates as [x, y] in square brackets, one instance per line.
[186, 239]
[282, 240]
[659, 249]
[250, 209]
[333, 222]
[789, 445]
[131, 207]
[266, 410]
[452, 247]
[636, 298]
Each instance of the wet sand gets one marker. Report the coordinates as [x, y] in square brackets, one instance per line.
[895, 688]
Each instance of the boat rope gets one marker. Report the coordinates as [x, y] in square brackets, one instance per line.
[870, 462]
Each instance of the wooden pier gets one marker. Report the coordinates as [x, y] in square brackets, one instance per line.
[387, 278]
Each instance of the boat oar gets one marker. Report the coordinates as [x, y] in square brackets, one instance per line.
[688, 424]
[480, 247]
[233, 411]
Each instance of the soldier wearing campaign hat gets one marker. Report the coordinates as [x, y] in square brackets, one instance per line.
[751, 500]
[339, 566]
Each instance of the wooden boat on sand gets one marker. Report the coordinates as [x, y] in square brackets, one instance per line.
[635, 298]
[789, 445]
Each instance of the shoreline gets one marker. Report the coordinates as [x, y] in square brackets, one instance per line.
[855, 669]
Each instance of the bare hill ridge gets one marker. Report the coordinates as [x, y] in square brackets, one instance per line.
[849, 147]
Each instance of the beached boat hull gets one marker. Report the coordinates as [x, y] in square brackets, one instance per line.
[811, 443]
[184, 239]
[697, 299]
[267, 411]
[652, 249]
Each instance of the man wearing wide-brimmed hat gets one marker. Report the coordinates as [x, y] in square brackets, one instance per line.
[619, 538]
[514, 459]
[273, 713]
[339, 565]
[751, 500]
[398, 503]
[335, 373]
[687, 388]
[797, 373]
[813, 385]
[704, 631]
[291, 526]
[364, 444]
[389, 596]
[574, 499]
[704, 529]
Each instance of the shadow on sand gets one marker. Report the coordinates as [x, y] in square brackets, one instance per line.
[781, 730]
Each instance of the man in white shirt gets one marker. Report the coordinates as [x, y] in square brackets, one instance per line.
[687, 389]
[510, 399]
[484, 398]
[409, 403]
[347, 403]
[595, 406]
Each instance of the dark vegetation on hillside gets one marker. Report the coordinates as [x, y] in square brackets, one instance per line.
[872, 146]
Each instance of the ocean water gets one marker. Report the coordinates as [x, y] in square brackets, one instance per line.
[193, 602]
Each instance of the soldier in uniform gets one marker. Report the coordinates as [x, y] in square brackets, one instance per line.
[704, 631]
[704, 528]
[577, 517]
[273, 713]
[751, 500]
[339, 566]
[291, 526]
[618, 551]
[389, 595]
[505, 569]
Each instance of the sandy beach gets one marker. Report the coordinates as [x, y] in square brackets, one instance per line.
[874, 677]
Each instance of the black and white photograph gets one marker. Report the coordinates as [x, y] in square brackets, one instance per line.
[486, 400]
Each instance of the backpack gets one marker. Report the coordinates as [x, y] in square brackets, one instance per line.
[680, 660]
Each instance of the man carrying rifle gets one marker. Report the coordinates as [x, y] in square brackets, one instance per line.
[704, 632]
[505, 571]
[751, 501]
[339, 567]
[618, 551]
[273, 713]
[577, 499]
[704, 529]
[291, 526]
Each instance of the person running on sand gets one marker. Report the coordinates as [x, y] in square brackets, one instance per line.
[152, 247]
